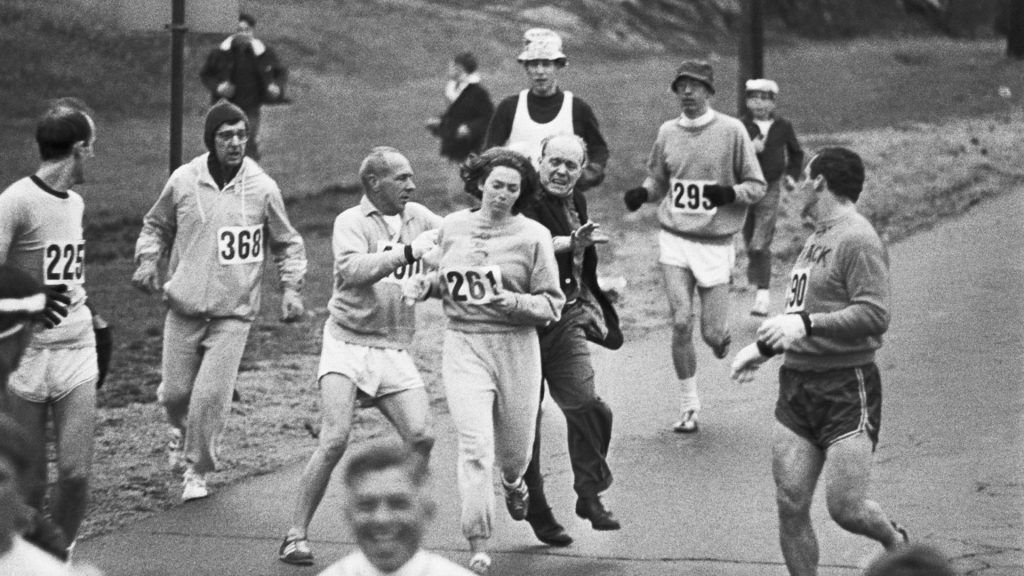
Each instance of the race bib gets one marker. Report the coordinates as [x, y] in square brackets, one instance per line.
[405, 270]
[240, 244]
[64, 263]
[687, 197]
[473, 284]
[797, 291]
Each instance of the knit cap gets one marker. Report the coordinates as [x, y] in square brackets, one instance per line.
[223, 112]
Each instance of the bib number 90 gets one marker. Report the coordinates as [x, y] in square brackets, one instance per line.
[240, 244]
[473, 285]
[64, 263]
[796, 295]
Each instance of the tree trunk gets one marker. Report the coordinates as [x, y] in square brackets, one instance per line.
[1015, 29]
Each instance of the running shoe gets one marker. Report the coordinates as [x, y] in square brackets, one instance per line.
[480, 563]
[517, 498]
[687, 424]
[194, 484]
[175, 449]
[295, 550]
[902, 532]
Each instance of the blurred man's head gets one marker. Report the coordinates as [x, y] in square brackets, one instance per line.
[915, 560]
[246, 26]
[562, 159]
[387, 507]
[462, 65]
[387, 180]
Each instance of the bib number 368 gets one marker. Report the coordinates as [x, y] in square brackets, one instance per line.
[475, 285]
[64, 263]
[796, 295]
[240, 244]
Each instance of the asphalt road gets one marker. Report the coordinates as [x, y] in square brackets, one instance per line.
[950, 464]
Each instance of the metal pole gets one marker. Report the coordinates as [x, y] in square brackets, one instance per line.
[178, 31]
[751, 53]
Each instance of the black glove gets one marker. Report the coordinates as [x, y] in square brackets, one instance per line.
[104, 350]
[719, 195]
[635, 198]
[57, 302]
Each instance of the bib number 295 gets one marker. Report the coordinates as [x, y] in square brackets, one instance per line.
[240, 244]
[688, 197]
[64, 263]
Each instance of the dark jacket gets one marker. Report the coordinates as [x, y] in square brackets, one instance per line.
[550, 212]
[473, 108]
[251, 67]
[779, 143]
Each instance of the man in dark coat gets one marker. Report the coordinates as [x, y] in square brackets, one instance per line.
[463, 125]
[588, 315]
[244, 70]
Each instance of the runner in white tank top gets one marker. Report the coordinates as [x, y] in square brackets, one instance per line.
[527, 134]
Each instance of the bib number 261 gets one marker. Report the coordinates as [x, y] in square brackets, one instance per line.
[476, 285]
[240, 244]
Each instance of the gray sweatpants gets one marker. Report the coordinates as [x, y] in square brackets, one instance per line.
[200, 365]
[492, 382]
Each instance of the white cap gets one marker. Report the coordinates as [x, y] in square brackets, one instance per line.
[762, 85]
[541, 44]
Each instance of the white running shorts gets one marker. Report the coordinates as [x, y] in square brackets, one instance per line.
[49, 374]
[376, 372]
[710, 263]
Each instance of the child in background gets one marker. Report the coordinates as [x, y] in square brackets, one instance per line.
[781, 159]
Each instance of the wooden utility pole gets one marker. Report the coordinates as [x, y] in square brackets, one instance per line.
[751, 57]
[178, 30]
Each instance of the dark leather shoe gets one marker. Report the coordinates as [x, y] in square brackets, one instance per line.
[600, 517]
[548, 530]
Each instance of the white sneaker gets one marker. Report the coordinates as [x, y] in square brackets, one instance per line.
[175, 449]
[194, 485]
[761, 302]
[687, 424]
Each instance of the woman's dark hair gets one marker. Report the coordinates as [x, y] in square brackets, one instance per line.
[843, 171]
[477, 168]
[467, 61]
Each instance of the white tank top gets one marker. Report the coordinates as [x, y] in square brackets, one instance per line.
[526, 134]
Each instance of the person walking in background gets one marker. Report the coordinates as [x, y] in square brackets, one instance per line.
[388, 508]
[565, 355]
[703, 172]
[376, 244]
[216, 217]
[522, 120]
[463, 125]
[829, 409]
[498, 279]
[781, 159]
[41, 233]
[246, 71]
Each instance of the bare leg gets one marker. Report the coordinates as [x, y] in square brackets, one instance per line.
[409, 412]
[74, 418]
[847, 478]
[337, 404]
[796, 465]
[679, 286]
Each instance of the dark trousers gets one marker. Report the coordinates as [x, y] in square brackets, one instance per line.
[566, 366]
[252, 146]
[758, 232]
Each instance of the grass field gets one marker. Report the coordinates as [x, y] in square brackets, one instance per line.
[924, 112]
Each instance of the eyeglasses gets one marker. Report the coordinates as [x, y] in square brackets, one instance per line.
[229, 135]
